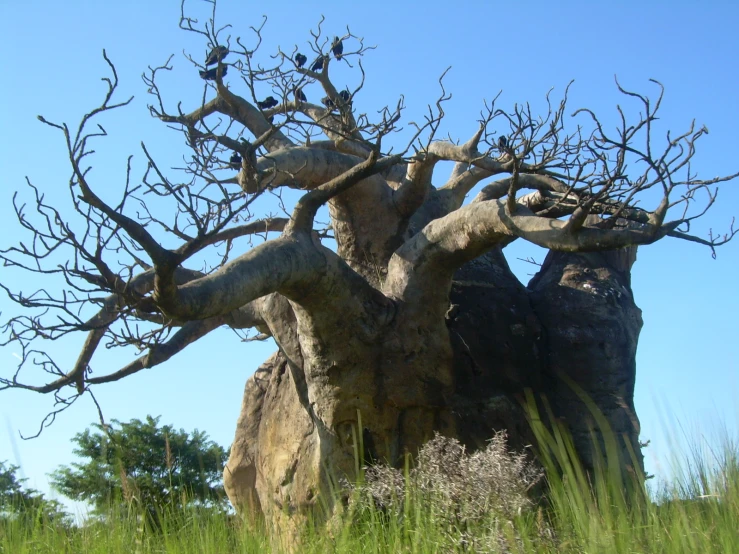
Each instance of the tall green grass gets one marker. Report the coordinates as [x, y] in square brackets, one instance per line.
[596, 512]
[186, 531]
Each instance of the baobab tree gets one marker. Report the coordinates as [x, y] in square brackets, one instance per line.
[399, 318]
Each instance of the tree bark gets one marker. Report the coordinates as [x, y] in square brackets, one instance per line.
[464, 379]
[591, 329]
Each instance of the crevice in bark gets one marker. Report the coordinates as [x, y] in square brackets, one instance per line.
[497, 352]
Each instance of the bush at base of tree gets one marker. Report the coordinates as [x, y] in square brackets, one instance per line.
[471, 497]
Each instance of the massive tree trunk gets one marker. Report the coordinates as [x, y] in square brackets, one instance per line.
[464, 380]
[591, 328]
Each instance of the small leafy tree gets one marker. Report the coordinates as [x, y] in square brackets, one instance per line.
[17, 501]
[144, 466]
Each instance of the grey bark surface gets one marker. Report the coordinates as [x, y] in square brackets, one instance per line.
[465, 380]
[591, 329]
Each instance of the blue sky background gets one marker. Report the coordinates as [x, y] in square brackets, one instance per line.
[688, 352]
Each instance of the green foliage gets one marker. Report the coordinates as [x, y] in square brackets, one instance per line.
[575, 521]
[20, 503]
[143, 466]
[695, 513]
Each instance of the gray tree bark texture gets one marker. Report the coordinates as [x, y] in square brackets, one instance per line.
[411, 320]
[577, 317]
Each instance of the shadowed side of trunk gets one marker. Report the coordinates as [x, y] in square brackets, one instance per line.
[497, 343]
[591, 328]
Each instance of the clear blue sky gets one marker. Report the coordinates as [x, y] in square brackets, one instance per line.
[688, 352]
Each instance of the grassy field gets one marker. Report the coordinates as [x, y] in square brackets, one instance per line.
[698, 513]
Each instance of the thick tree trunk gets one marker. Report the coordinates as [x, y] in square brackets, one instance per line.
[591, 328]
[298, 431]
